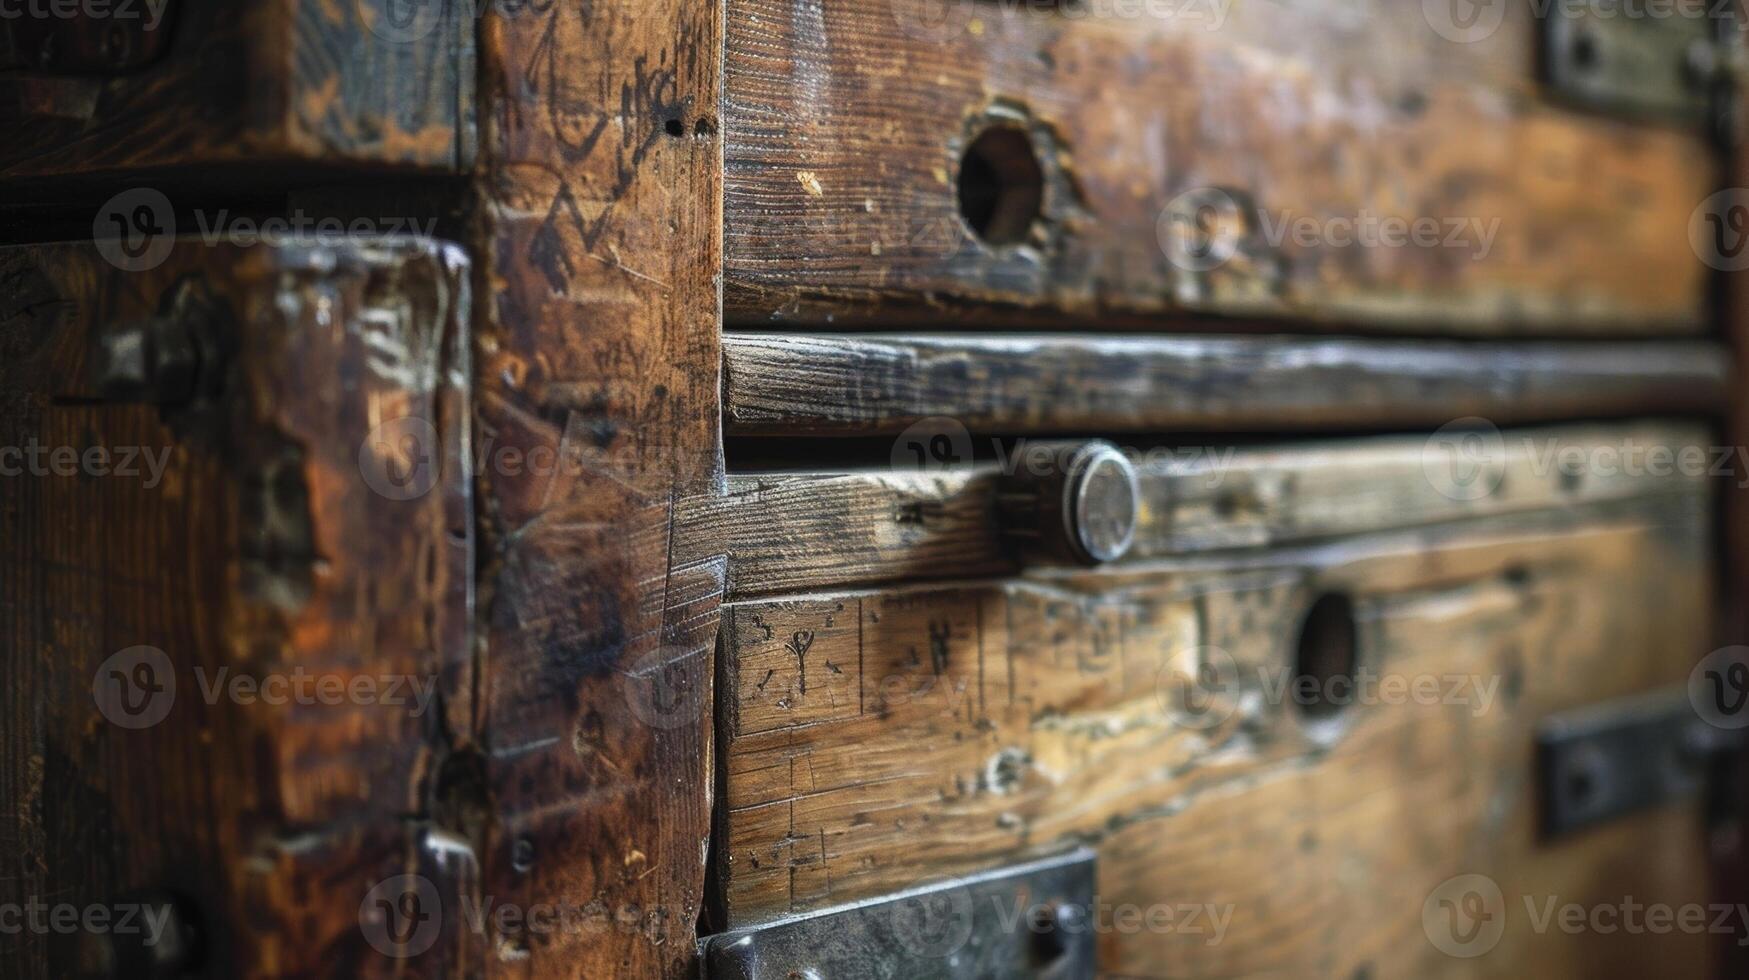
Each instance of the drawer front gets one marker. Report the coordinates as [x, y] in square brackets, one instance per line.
[191, 83]
[921, 159]
[237, 582]
[876, 739]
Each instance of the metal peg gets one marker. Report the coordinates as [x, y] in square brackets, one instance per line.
[1074, 502]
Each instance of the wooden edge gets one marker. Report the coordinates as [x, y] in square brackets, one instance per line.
[1257, 190]
[790, 532]
[778, 385]
[600, 245]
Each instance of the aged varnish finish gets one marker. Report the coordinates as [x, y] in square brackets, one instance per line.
[904, 488]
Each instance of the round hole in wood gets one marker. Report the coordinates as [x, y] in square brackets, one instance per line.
[1326, 657]
[1001, 186]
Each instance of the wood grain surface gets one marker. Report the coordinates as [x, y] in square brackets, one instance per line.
[347, 83]
[873, 740]
[240, 533]
[846, 123]
[600, 242]
[804, 531]
[867, 384]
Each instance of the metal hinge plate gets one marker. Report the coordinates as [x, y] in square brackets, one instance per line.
[1645, 58]
[1033, 921]
[1610, 760]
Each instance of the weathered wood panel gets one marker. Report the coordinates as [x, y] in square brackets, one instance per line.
[873, 740]
[345, 83]
[1228, 123]
[870, 384]
[601, 221]
[279, 495]
[794, 532]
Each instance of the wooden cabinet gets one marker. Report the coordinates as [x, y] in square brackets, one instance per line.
[1304, 712]
[948, 487]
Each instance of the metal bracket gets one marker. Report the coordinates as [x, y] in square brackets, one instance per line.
[1606, 761]
[1030, 921]
[1632, 58]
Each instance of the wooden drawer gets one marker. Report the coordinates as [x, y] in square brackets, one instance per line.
[191, 83]
[250, 471]
[1225, 158]
[875, 739]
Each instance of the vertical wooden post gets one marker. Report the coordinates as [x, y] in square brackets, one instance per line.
[599, 244]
